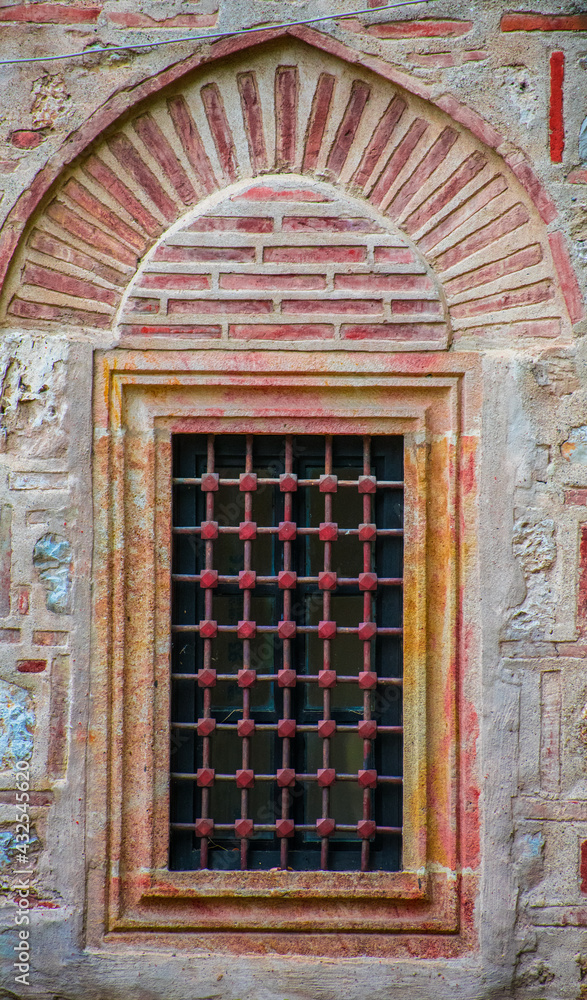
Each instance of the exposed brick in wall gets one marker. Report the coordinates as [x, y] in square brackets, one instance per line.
[557, 122]
[297, 264]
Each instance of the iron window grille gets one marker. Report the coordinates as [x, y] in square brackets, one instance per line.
[287, 612]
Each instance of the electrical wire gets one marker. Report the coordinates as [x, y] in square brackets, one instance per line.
[214, 35]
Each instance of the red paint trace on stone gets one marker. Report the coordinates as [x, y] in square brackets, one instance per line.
[557, 124]
[583, 866]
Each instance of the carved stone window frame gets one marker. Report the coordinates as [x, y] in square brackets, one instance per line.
[140, 399]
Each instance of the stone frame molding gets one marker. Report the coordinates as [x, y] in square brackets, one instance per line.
[141, 398]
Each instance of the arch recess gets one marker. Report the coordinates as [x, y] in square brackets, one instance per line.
[285, 107]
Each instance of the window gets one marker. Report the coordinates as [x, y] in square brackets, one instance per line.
[287, 652]
[223, 418]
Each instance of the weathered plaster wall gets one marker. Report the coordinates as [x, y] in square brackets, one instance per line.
[525, 740]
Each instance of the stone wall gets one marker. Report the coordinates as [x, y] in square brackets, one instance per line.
[396, 185]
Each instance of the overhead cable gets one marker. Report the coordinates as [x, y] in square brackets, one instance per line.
[212, 35]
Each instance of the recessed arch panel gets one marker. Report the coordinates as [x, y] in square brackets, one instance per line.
[287, 108]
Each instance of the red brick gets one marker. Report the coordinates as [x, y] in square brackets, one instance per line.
[137, 304]
[393, 331]
[534, 187]
[326, 224]
[567, 277]
[343, 306]
[31, 666]
[244, 306]
[65, 314]
[394, 255]
[34, 274]
[442, 59]
[187, 282]
[583, 854]
[447, 191]
[273, 282]
[429, 163]
[191, 141]
[5, 559]
[43, 638]
[253, 120]
[151, 135]
[511, 220]
[319, 115]
[286, 115]
[481, 198]
[315, 255]
[50, 245]
[576, 497]
[470, 119]
[398, 160]
[23, 600]
[81, 196]
[261, 193]
[93, 237]
[347, 129]
[181, 255]
[378, 141]
[131, 19]
[556, 119]
[412, 307]
[274, 331]
[383, 282]
[51, 13]
[231, 224]
[10, 635]
[518, 261]
[542, 291]
[130, 159]
[220, 129]
[419, 29]
[26, 139]
[544, 22]
[582, 582]
[101, 173]
[524, 328]
[577, 177]
[131, 330]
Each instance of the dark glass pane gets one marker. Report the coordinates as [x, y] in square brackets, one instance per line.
[230, 697]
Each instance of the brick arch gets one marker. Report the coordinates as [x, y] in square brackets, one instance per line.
[286, 258]
[287, 107]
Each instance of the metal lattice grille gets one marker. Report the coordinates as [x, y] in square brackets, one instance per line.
[287, 652]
